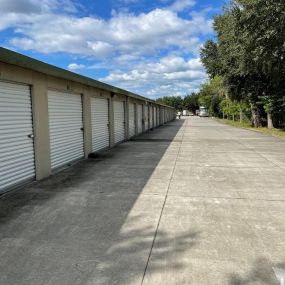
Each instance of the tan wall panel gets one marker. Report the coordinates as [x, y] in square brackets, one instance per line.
[16, 74]
[127, 135]
[111, 112]
[87, 122]
[41, 126]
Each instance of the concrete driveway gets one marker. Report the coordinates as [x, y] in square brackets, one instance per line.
[193, 202]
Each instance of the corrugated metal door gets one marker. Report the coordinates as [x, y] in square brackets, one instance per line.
[140, 118]
[154, 117]
[65, 128]
[150, 117]
[146, 118]
[17, 163]
[100, 123]
[119, 121]
[132, 118]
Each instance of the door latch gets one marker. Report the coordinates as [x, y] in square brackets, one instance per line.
[30, 136]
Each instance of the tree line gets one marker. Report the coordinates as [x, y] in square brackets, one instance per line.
[188, 102]
[245, 64]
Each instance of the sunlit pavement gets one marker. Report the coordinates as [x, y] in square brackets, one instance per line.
[192, 202]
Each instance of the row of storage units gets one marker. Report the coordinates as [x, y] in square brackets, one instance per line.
[45, 127]
[66, 131]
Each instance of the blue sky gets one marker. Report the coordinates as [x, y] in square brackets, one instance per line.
[147, 47]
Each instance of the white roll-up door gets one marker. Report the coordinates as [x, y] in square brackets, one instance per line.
[65, 128]
[140, 118]
[154, 117]
[150, 117]
[146, 118]
[119, 121]
[100, 123]
[17, 163]
[132, 118]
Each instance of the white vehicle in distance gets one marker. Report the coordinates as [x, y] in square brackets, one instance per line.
[185, 113]
[203, 112]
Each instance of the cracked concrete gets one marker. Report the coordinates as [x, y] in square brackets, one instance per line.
[192, 202]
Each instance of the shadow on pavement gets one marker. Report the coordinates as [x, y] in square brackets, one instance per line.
[93, 223]
[260, 273]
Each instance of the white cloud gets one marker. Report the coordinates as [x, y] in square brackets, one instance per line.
[75, 66]
[169, 76]
[171, 64]
[180, 5]
[170, 67]
[144, 34]
[37, 7]
[128, 45]
[15, 13]
[100, 49]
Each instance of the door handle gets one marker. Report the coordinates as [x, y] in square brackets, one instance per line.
[30, 136]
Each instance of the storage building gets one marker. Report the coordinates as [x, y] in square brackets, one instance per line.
[51, 117]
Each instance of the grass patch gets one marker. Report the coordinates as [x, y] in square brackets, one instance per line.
[272, 132]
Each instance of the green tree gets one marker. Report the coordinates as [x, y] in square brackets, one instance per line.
[173, 101]
[231, 108]
[210, 58]
[211, 94]
[261, 26]
[251, 52]
[191, 102]
[233, 57]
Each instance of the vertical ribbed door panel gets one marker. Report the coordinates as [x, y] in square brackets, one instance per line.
[100, 123]
[132, 122]
[119, 121]
[65, 128]
[17, 163]
[154, 117]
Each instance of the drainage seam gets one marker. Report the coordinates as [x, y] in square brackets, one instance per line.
[163, 206]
